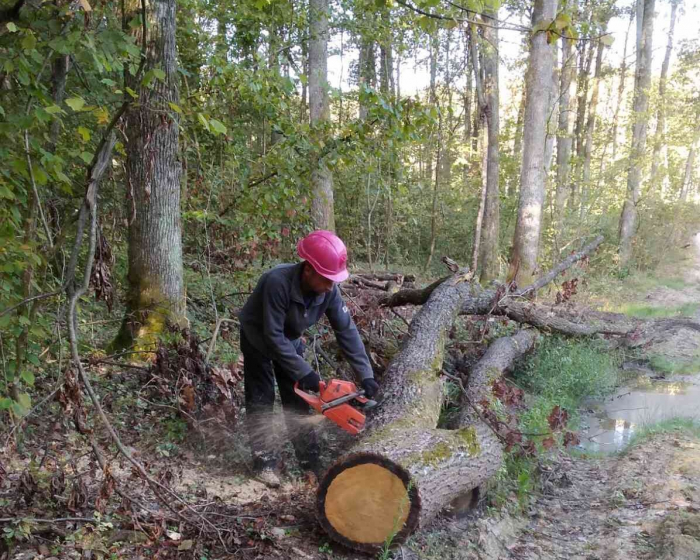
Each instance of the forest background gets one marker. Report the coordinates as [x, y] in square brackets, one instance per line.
[170, 150]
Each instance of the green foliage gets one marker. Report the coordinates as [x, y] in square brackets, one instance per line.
[688, 426]
[653, 311]
[562, 373]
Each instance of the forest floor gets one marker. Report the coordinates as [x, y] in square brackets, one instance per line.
[640, 503]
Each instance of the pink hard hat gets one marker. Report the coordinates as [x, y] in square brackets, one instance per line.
[326, 253]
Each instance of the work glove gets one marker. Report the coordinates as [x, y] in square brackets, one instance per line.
[370, 386]
[310, 382]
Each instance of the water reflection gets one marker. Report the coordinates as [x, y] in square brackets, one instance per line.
[644, 401]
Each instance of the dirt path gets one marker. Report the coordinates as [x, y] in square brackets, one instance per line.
[641, 504]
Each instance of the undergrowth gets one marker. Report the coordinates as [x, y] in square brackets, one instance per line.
[670, 366]
[561, 373]
[644, 311]
[690, 426]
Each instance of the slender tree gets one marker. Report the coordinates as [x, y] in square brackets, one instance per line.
[322, 212]
[642, 83]
[689, 165]
[538, 83]
[156, 292]
[660, 152]
[565, 125]
[490, 261]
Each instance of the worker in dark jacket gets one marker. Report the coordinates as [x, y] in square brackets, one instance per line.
[286, 301]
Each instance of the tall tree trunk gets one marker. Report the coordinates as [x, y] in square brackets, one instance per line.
[386, 54]
[433, 144]
[565, 127]
[517, 144]
[660, 132]
[642, 83]
[620, 89]
[156, 292]
[689, 164]
[591, 125]
[585, 62]
[322, 212]
[538, 83]
[368, 72]
[304, 106]
[490, 261]
[552, 109]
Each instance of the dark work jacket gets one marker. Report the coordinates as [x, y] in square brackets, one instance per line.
[275, 316]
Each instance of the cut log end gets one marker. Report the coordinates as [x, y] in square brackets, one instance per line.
[366, 501]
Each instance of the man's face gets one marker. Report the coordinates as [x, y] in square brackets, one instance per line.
[314, 282]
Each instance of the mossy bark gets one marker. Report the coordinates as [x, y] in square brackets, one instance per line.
[156, 294]
[436, 465]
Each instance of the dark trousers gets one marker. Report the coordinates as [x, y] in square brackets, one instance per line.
[259, 375]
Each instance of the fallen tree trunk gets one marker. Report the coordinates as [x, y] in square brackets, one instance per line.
[404, 470]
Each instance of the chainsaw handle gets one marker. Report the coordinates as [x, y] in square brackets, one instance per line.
[301, 392]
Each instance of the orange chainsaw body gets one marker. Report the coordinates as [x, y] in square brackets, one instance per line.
[333, 401]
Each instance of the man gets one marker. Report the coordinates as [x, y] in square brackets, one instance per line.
[287, 300]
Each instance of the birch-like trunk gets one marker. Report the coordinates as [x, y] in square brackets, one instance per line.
[322, 212]
[490, 231]
[591, 125]
[642, 83]
[565, 128]
[538, 84]
[620, 90]
[689, 164]
[156, 291]
[660, 151]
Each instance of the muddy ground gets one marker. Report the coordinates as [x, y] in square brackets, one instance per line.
[643, 503]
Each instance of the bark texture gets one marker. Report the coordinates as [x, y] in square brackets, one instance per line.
[322, 210]
[642, 83]
[565, 129]
[490, 230]
[538, 84]
[689, 165]
[434, 465]
[660, 132]
[156, 293]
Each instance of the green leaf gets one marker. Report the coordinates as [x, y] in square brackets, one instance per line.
[131, 92]
[29, 42]
[607, 40]
[86, 157]
[175, 107]
[84, 132]
[24, 401]
[11, 27]
[5, 403]
[203, 120]
[217, 126]
[158, 73]
[75, 103]
[27, 376]
[54, 109]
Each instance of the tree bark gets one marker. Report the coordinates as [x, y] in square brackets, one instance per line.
[156, 293]
[620, 90]
[322, 210]
[532, 176]
[404, 470]
[565, 126]
[591, 125]
[689, 165]
[660, 132]
[642, 83]
[490, 232]
[517, 145]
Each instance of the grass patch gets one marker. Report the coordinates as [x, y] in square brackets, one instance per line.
[689, 426]
[652, 312]
[666, 365]
[562, 373]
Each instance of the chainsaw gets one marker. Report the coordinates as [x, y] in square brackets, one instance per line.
[340, 402]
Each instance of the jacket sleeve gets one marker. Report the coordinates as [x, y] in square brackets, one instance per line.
[275, 303]
[348, 338]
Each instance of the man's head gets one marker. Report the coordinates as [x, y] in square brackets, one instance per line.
[326, 260]
[312, 281]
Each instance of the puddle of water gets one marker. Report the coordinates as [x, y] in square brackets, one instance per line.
[642, 402]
